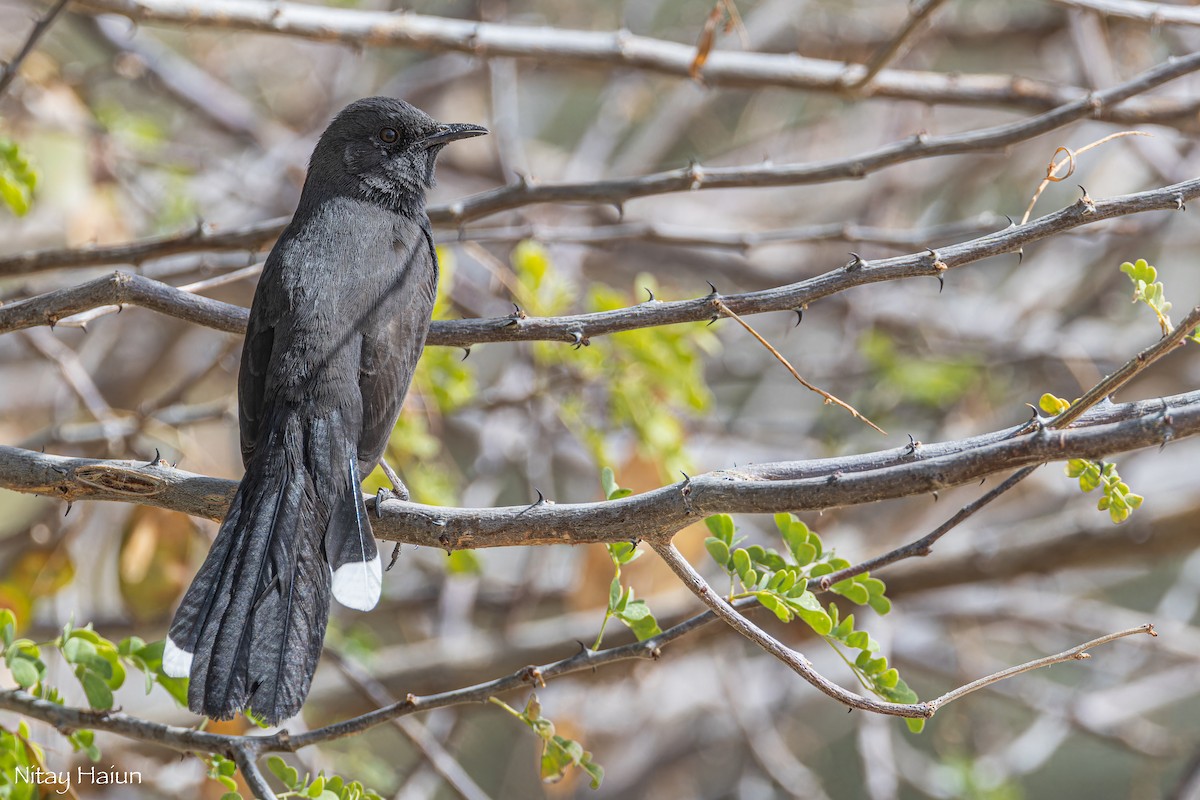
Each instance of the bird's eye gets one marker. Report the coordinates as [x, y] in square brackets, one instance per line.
[388, 135]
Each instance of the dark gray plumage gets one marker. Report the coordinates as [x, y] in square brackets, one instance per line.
[337, 325]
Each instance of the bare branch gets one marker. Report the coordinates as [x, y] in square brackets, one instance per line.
[922, 546]
[122, 288]
[439, 759]
[695, 177]
[803, 667]
[1140, 11]
[655, 515]
[202, 238]
[1077, 653]
[917, 15]
[616, 49]
[10, 70]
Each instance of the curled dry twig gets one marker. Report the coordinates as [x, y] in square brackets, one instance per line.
[1053, 168]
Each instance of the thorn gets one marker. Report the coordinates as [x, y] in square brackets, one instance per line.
[620, 207]
[515, 316]
[69, 505]
[651, 299]
[1011, 222]
[714, 289]
[1179, 206]
[1089, 205]
[686, 491]
[855, 263]
[1020, 256]
[154, 461]
[711, 321]
[935, 495]
[941, 283]
[540, 501]
[466, 353]
[834, 476]
[578, 340]
[799, 316]
[912, 446]
[395, 555]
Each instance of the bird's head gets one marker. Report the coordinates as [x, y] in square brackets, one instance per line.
[382, 150]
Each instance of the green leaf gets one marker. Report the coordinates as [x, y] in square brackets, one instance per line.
[880, 603]
[98, 694]
[77, 650]
[285, 772]
[741, 563]
[17, 178]
[231, 796]
[775, 604]
[614, 594]
[818, 620]
[608, 481]
[721, 526]
[854, 592]
[915, 725]
[718, 549]
[757, 553]
[8, 626]
[24, 672]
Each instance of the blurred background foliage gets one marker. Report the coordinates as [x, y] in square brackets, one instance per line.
[116, 132]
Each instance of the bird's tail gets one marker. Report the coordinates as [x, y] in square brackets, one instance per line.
[249, 630]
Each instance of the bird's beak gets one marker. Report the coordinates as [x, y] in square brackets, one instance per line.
[449, 132]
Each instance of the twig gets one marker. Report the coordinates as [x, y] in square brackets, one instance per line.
[245, 756]
[202, 238]
[1140, 11]
[696, 177]
[1077, 653]
[724, 309]
[803, 667]
[9, 71]
[794, 660]
[660, 513]
[924, 545]
[612, 49]
[441, 761]
[122, 288]
[917, 15]
[81, 320]
[1129, 370]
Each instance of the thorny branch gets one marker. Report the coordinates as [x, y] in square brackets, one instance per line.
[1095, 395]
[659, 514]
[619, 49]
[125, 289]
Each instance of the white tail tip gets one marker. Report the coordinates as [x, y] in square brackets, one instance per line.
[358, 584]
[177, 662]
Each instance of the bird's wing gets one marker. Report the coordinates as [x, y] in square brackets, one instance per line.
[256, 356]
[390, 350]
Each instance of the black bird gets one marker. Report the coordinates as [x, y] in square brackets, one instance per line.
[337, 325]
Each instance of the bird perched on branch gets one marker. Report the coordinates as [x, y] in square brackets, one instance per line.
[337, 325]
